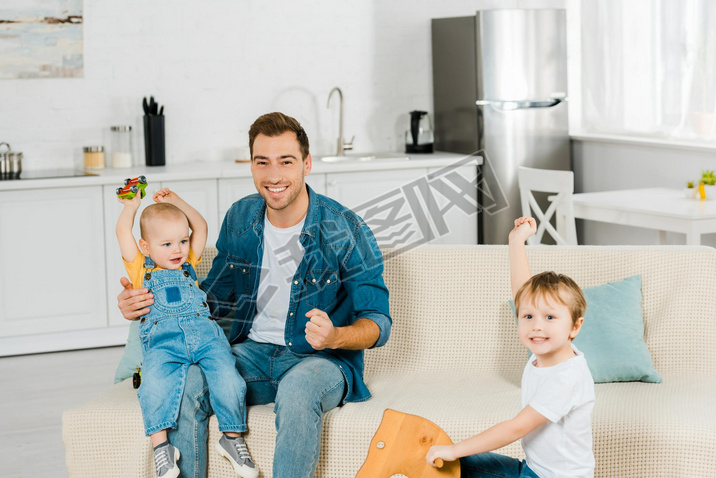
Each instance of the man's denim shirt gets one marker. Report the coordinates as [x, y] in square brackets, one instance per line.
[341, 273]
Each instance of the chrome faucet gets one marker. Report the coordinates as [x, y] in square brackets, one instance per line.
[342, 144]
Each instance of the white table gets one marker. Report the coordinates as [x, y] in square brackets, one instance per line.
[660, 209]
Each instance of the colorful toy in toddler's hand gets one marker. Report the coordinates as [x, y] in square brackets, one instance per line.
[132, 187]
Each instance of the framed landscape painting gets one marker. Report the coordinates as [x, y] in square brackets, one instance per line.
[41, 39]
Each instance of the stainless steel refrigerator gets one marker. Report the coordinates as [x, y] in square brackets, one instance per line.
[500, 85]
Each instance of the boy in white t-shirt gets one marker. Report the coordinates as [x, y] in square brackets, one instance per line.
[557, 387]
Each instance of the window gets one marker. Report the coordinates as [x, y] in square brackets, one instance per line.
[648, 69]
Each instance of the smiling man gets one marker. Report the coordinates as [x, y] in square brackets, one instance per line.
[298, 280]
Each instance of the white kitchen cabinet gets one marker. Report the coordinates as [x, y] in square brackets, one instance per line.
[230, 191]
[317, 182]
[455, 198]
[355, 189]
[410, 207]
[53, 268]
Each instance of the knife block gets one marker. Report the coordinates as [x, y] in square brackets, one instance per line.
[154, 150]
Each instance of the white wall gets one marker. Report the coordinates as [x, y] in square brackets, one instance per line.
[218, 65]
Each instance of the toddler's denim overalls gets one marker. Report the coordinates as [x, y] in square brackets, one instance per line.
[177, 332]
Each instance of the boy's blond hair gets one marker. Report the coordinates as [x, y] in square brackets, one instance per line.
[558, 287]
[161, 210]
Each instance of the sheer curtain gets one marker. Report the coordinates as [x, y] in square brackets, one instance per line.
[648, 68]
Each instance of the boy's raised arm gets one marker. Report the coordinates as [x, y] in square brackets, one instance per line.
[197, 223]
[125, 222]
[519, 266]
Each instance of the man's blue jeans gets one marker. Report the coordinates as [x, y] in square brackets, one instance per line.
[303, 388]
[491, 465]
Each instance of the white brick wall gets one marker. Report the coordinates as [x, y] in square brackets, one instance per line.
[219, 64]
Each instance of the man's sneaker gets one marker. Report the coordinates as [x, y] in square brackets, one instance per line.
[234, 450]
[165, 461]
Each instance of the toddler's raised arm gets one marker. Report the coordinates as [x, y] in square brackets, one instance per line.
[125, 222]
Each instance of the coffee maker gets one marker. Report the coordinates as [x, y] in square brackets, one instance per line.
[419, 138]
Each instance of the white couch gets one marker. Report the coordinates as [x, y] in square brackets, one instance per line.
[454, 358]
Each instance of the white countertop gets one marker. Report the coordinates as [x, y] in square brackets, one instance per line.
[227, 169]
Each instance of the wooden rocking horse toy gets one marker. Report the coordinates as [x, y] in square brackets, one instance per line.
[399, 447]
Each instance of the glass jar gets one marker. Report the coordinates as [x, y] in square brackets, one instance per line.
[121, 146]
[94, 157]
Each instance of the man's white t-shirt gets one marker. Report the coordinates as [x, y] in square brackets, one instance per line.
[283, 253]
[564, 394]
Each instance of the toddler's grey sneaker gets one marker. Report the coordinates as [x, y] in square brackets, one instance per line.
[234, 450]
[165, 461]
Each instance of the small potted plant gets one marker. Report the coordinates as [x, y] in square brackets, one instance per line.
[708, 182]
[691, 192]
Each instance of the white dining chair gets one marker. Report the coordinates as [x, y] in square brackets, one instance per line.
[550, 181]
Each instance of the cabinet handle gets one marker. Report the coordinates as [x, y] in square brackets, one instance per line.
[332, 182]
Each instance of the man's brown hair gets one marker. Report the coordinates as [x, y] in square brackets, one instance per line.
[275, 124]
[558, 287]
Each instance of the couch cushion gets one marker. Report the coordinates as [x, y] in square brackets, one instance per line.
[612, 337]
[645, 429]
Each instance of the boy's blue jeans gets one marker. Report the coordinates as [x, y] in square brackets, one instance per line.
[303, 388]
[491, 465]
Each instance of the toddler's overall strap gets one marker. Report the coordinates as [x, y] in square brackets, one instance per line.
[188, 267]
[148, 263]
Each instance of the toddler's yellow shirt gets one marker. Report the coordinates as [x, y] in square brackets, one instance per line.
[136, 269]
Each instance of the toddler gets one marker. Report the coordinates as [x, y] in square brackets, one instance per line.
[557, 387]
[179, 330]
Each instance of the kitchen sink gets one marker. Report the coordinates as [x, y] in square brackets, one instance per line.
[365, 157]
